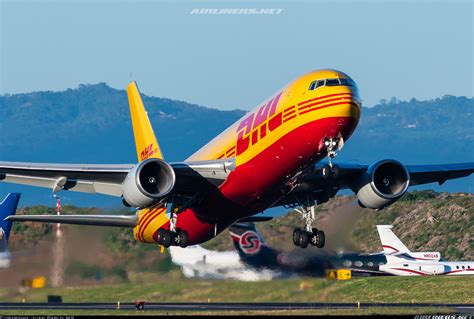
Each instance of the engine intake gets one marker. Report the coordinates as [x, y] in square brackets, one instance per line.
[383, 183]
[148, 182]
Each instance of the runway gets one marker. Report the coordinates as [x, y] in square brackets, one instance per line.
[458, 308]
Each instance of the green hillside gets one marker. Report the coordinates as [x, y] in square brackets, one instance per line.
[424, 220]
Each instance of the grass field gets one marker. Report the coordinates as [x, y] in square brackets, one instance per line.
[442, 289]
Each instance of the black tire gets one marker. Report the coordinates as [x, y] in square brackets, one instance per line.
[160, 235]
[321, 240]
[183, 235]
[313, 239]
[330, 172]
[167, 238]
[335, 171]
[304, 239]
[296, 236]
[326, 171]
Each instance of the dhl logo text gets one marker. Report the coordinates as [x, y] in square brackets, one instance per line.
[148, 152]
[254, 127]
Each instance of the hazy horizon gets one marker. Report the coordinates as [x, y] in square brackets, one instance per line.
[381, 101]
[391, 49]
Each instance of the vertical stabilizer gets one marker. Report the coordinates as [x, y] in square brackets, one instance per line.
[145, 140]
[390, 242]
[7, 208]
[251, 247]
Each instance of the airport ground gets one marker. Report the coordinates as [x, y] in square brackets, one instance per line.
[415, 290]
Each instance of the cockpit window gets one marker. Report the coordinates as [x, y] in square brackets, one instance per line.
[330, 82]
[346, 82]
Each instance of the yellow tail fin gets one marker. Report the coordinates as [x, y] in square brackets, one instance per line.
[145, 139]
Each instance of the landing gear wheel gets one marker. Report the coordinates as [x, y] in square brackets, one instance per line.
[164, 237]
[330, 172]
[304, 239]
[318, 238]
[296, 236]
[313, 237]
[322, 239]
[183, 238]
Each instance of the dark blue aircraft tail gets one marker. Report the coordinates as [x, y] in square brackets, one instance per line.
[252, 248]
[7, 208]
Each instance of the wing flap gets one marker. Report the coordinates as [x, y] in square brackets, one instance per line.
[91, 220]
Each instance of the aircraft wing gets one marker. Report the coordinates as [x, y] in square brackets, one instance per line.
[313, 182]
[92, 220]
[191, 177]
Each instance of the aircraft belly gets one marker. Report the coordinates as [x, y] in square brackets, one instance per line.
[259, 182]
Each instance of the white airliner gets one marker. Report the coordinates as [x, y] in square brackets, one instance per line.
[402, 262]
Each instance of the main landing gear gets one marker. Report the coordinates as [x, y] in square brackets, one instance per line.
[169, 238]
[174, 236]
[309, 235]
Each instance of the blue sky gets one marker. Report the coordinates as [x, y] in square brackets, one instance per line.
[421, 49]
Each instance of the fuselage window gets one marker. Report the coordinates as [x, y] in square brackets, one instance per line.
[405, 265]
[358, 263]
[370, 264]
[457, 267]
[462, 267]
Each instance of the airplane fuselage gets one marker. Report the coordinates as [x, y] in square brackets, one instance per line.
[271, 146]
[429, 268]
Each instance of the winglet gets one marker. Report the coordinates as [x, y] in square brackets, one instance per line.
[145, 140]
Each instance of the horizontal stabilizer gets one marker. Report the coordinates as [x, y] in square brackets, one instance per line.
[91, 220]
[255, 219]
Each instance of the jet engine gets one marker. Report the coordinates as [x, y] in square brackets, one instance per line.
[383, 183]
[148, 182]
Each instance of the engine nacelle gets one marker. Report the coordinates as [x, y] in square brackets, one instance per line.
[383, 183]
[148, 182]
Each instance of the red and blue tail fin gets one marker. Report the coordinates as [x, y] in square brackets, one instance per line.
[7, 207]
[251, 247]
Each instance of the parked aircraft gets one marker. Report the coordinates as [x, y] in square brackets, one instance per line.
[253, 259]
[271, 157]
[402, 262]
[7, 208]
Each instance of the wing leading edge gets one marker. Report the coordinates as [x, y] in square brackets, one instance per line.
[191, 177]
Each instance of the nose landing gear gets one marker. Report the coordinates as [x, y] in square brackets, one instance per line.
[332, 146]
